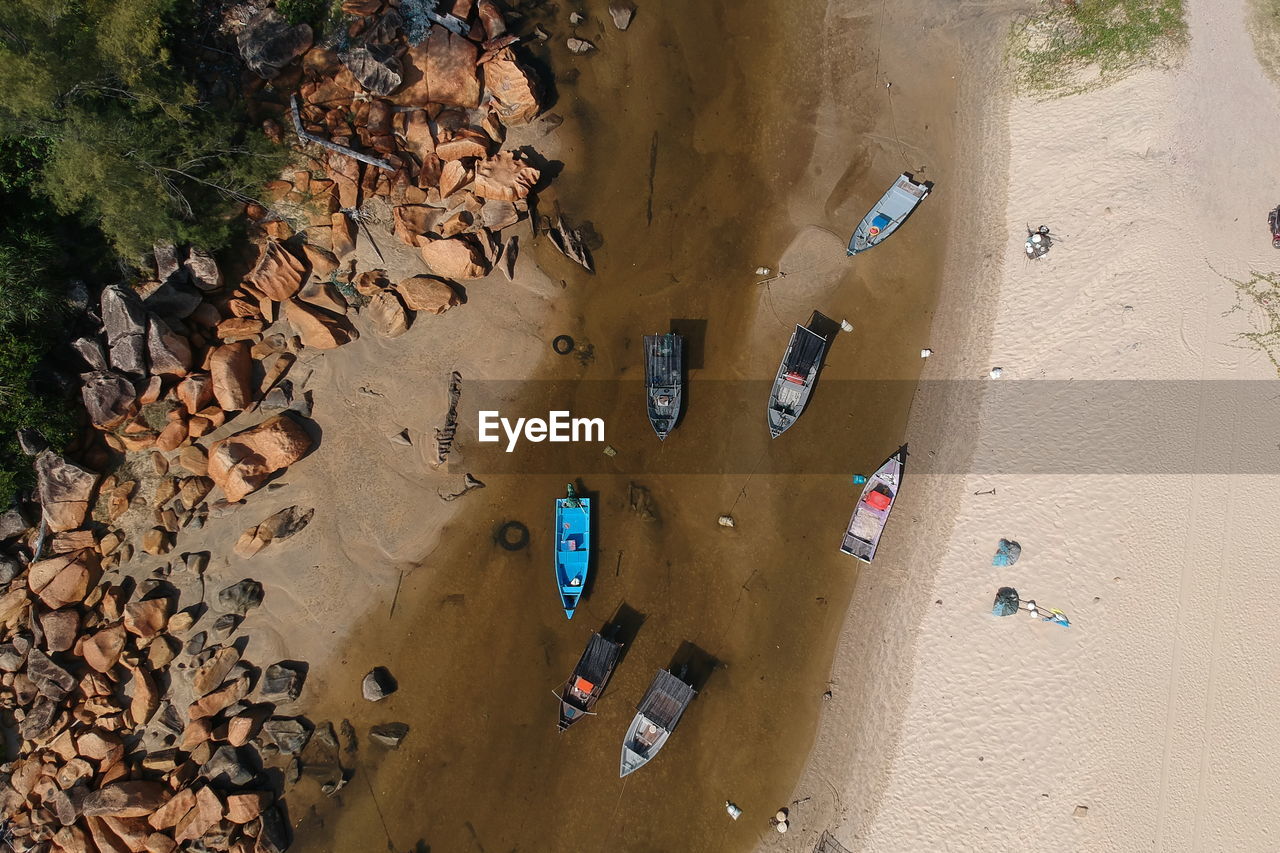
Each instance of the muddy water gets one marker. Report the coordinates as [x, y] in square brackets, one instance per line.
[687, 146]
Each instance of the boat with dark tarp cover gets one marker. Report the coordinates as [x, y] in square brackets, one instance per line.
[656, 717]
[587, 683]
[796, 375]
[889, 212]
[663, 380]
[872, 512]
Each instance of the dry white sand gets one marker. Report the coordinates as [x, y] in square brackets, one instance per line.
[950, 729]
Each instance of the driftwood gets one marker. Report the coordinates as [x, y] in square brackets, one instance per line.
[569, 241]
[446, 432]
[332, 146]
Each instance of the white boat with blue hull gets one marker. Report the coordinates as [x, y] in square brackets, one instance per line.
[889, 212]
[573, 548]
[862, 537]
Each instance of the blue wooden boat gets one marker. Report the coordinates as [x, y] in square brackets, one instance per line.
[573, 548]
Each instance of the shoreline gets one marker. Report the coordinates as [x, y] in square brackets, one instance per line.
[862, 724]
[1144, 725]
[736, 601]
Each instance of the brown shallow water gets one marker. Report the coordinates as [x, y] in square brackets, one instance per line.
[685, 144]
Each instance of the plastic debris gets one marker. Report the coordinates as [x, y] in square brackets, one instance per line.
[846, 325]
[1038, 242]
[1007, 553]
[725, 521]
[997, 372]
[763, 271]
[781, 816]
[733, 810]
[858, 479]
[609, 451]
[1006, 603]
[925, 353]
[782, 826]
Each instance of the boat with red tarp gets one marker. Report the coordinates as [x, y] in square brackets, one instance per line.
[872, 512]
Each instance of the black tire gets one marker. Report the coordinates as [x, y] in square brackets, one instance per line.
[504, 539]
[563, 345]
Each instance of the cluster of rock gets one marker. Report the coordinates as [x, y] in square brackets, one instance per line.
[411, 115]
[136, 733]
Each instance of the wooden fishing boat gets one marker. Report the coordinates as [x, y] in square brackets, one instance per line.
[656, 717]
[872, 512]
[796, 375]
[889, 212]
[573, 548]
[663, 380]
[583, 689]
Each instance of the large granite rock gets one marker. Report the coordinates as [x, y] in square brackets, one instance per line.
[428, 293]
[125, 799]
[513, 89]
[278, 274]
[109, 397]
[242, 463]
[169, 352]
[231, 369]
[318, 328]
[125, 322]
[457, 257]
[441, 69]
[203, 271]
[64, 490]
[505, 177]
[268, 43]
[375, 67]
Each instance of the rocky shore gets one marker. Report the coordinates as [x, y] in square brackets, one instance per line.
[141, 723]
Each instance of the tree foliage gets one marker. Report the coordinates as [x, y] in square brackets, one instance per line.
[129, 144]
[33, 310]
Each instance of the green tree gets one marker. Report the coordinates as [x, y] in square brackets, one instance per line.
[129, 145]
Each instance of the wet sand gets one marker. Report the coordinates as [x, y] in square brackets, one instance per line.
[698, 145]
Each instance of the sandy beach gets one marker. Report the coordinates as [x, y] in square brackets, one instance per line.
[1145, 725]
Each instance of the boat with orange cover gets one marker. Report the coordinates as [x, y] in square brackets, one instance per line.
[872, 512]
[587, 683]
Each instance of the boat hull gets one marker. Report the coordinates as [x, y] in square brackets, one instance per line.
[634, 754]
[793, 385]
[866, 526]
[573, 550]
[664, 381]
[888, 214]
[586, 684]
[657, 715]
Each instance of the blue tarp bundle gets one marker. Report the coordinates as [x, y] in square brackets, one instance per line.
[1007, 553]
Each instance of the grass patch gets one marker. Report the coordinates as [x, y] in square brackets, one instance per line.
[1071, 46]
[1259, 298]
[1264, 26]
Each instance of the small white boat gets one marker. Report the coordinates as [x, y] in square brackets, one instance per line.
[893, 208]
[656, 717]
[872, 512]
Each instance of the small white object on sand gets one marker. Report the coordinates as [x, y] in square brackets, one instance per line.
[763, 270]
[997, 372]
[781, 816]
[782, 826]
[725, 521]
[925, 353]
[846, 325]
[733, 810]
